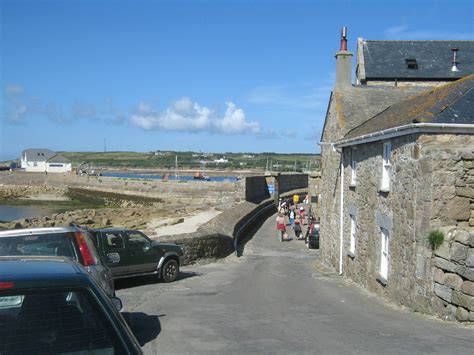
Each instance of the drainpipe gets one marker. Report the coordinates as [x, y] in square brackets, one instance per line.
[341, 213]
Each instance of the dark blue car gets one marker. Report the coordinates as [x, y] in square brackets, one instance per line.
[51, 305]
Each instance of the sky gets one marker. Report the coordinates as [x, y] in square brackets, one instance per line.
[200, 75]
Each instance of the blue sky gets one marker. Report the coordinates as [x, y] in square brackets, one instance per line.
[237, 75]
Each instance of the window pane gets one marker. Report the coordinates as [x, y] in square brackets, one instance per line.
[55, 322]
[57, 244]
[137, 241]
[114, 241]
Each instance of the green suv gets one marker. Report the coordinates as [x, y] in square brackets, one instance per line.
[131, 253]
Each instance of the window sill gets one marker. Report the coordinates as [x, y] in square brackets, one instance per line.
[381, 280]
[351, 255]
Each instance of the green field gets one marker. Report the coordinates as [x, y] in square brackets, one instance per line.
[166, 160]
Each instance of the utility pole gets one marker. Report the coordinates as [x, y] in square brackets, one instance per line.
[105, 145]
[176, 174]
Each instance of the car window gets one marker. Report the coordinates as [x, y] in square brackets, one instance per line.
[136, 240]
[53, 244]
[114, 241]
[54, 321]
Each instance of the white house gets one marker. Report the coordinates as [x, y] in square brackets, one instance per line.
[44, 160]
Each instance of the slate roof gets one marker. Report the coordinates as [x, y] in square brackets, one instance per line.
[41, 155]
[358, 104]
[450, 103]
[386, 60]
[38, 154]
[58, 158]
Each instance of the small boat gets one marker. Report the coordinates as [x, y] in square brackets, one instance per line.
[199, 176]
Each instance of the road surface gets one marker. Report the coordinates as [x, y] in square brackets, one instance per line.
[277, 298]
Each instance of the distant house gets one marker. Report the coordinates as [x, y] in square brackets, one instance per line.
[44, 160]
[397, 163]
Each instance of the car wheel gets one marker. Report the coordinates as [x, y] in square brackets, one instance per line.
[170, 270]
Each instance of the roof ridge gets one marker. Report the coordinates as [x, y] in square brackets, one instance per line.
[419, 40]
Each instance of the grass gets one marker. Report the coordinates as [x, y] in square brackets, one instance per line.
[191, 160]
[435, 239]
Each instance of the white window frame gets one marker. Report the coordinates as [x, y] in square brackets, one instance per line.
[353, 235]
[386, 167]
[384, 250]
[353, 167]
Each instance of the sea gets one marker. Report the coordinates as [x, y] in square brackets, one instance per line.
[128, 175]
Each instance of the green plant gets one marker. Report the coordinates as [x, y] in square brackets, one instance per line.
[435, 239]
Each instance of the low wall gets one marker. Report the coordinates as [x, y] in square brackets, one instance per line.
[256, 189]
[453, 275]
[191, 193]
[219, 237]
[288, 182]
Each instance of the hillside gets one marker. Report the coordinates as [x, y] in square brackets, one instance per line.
[193, 160]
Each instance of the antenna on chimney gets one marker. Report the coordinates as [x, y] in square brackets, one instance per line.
[455, 63]
[343, 39]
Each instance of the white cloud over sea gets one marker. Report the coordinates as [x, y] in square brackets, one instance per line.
[184, 115]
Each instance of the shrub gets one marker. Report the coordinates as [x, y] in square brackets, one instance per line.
[435, 239]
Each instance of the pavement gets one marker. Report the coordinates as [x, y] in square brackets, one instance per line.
[277, 298]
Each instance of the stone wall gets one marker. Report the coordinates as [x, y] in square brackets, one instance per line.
[430, 182]
[290, 182]
[192, 193]
[453, 275]
[216, 238]
[403, 211]
[256, 189]
[450, 161]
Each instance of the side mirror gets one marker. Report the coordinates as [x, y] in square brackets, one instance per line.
[117, 302]
[147, 247]
[113, 258]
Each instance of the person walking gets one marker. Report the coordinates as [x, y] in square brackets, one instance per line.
[281, 226]
[297, 229]
[292, 217]
[302, 215]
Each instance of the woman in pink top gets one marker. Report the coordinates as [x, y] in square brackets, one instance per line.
[281, 226]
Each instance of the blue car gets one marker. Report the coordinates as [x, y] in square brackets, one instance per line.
[51, 305]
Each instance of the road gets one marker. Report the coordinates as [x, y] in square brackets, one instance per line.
[278, 298]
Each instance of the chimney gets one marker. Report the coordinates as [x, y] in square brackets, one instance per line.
[343, 63]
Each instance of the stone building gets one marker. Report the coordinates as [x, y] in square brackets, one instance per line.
[397, 163]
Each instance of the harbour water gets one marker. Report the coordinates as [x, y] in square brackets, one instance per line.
[170, 177]
[10, 213]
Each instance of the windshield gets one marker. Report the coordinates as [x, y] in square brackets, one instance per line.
[54, 244]
[52, 321]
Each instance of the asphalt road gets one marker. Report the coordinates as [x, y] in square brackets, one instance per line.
[278, 298]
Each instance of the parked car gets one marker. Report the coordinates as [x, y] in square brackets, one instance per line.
[312, 235]
[72, 242]
[131, 253]
[51, 305]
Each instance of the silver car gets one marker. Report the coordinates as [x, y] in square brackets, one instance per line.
[72, 242]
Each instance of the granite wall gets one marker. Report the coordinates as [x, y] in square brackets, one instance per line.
[431, 181]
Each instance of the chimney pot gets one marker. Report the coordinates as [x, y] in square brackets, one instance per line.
[454, 67]
[343, 39]
[343, 63]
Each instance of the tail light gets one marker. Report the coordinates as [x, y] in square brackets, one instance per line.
[6, 285]
[86, 253]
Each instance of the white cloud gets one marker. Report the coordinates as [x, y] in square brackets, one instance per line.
[188, 116]
[20, 106]
[16, 112]
[11, 89]
[405, 32]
